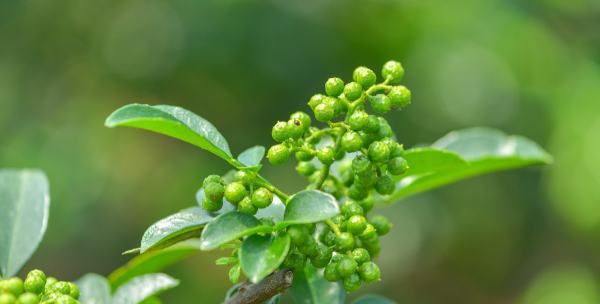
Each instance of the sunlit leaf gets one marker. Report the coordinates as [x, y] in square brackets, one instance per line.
[140, 288]
[24, 206]
[174, 122]
[483, 151]
[261, 255]
[228, 227]
[93, 289]
[186, 223]
[309, 206]
[153, 261]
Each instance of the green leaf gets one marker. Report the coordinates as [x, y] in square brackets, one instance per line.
[261, 255]
[373, 299]
[483, 151]
[24, 205]
[93, 289]
[309, 206]
[140, 288]
[228, 227]
[310, 287]
[153, 261]
[184, 224]
[175, 122]
[252, 157]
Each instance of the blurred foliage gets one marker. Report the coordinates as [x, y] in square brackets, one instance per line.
[527, 67]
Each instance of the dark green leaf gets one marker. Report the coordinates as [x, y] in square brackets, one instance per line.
[153, 261]
[261, 255]
[228, 227]
[252, 157]
[175, 122]
[373, 299]
[24, 204]
[93, 289]
[184, 224]
[484, 151]
[140, 288]
[310, 287]
[309, 206]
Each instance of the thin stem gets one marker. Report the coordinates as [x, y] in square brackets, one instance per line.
[270, 286]
[333, 227]
[262, 181]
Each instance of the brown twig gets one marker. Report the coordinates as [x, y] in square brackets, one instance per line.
[270, 286]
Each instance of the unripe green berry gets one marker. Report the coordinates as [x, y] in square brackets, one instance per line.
[331, 273]
[7, 298]
[358, 120]
[62, 287]
[352, 282]
[323, 256]
[367, 204]
[400, 97]
[353, 91]
[326, 155]
[345, 241]
[280, 131]
[357, 192]
[360, 255]
[324, 112]
[34, 283]
[385, 130]
[334, 86]
[235, 192]
[380, 103]
[327, 237]
[316, 100]
[14, 285]
[74, 290]
[214, 192]
[298, 234]
[304, 119]
[385, 185]
[369, 234]
[305, 168]
[295, 128]
[364, 76]
[346, 267]
[372, 125]
[304, 155]
[369, 272]
[361, 165]
[381, 224]
[396, 150]
[339, 107]
[278, 154]
[42, 275]
[351, 141]
[350, 208]
[295, 260]
[356, 224]
[379, 151]
[393, 71]
[309, 248]
[262, 198]
[246, 206]
[244, 177]
[397, 165]
[212, 179]
[28, 298]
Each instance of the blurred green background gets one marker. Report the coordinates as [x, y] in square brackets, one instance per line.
[528, 67]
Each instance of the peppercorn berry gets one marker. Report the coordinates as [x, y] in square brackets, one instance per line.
[369, 272]
[400, 97]
[346, 267]
[397, 165]
[385, 185]
[331, 273]
[278, 154]
[279, 131]
[210, 205]
[262, 198]
[372, 125]
[358, 120]
[211, 179]
[305, 168]
[351, 141]
[334, 86]
[393, 71]
[324, 112]
[381, 224]
[360, 255]
[356, 224]
[345, 241]
[303, 118]
[214, 192]
[379, 151]
[235, 192]
[246, 206]
[295, 128]
[380, 103]
[326, 155]
[364, 76]
[352, 282]
[351, 208]
[353, 91]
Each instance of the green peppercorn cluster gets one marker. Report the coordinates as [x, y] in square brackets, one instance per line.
[368, 158]
[37, 289]
[244, 192]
